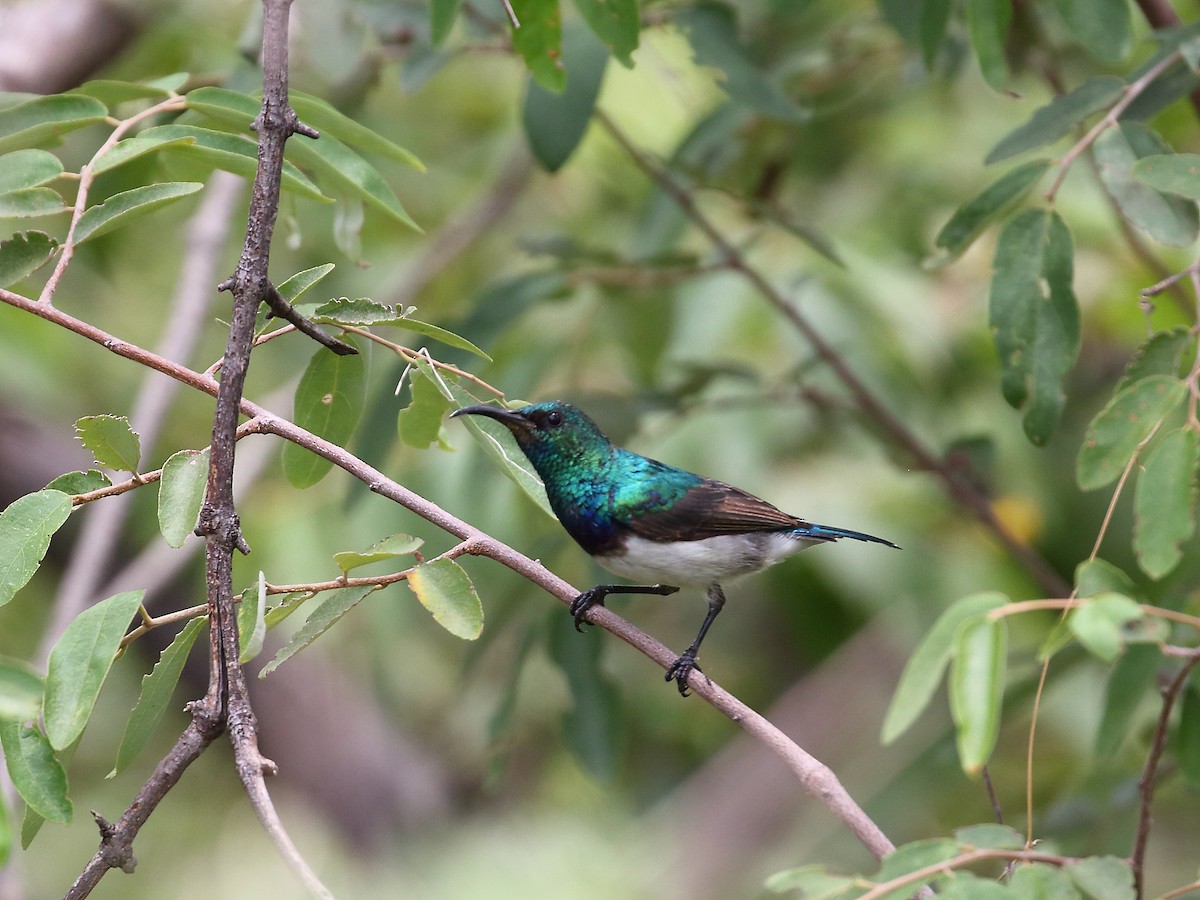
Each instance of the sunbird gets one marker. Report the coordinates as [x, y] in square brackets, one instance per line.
[647, 521]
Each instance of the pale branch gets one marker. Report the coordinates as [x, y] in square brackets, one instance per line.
[817, 779]
[960, 489]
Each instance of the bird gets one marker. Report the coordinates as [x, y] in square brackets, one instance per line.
[648, 521]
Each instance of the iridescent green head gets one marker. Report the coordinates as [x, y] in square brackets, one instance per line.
[557, 437]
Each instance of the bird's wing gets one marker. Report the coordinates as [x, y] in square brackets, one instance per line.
[707, 509]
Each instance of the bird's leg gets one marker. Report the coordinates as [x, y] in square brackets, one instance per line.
[682, 667]
[595, 597]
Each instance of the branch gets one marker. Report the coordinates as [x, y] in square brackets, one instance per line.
[1146, 783]
[959, 488]
[284, 310]
[816, 778]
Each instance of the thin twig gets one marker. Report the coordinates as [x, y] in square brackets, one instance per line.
[1147, 781]
[86, 176]
[1133, 90]
[962, 860]
[280, 308]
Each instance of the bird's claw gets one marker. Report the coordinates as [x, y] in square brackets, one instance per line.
[581, 604]
[680, 670]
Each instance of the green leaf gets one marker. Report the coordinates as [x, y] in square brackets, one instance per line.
[1059, 116]
[331, 122]
[442, 14]
[327, 158]
[181, 493]
[334, 605]
[1188, 736]
[990, 836]
[112, 441]
[963, 885]
[31, 824]
[26, 527]
[157, 689]
[924, 670]
[23, 254]
[1098, 622]
[977, 689]
[6, 831]
[285, 607]
[594, 726]
[36, 774]
[229, 152]
[556, 122]
[987, 29]
[40, 120]
[31, 203]
[615, 23]
[712, 31]
[1131, 680]
[1098, 576]
[908, 858]
[20, 690]
[27, 168]
[1158, 355]
[122, 208]
[1174, 173]
[1039, 881]
[294, 287]
[811, 882]
[111, 92]
[364, 311]
[1125, 422]
[935, 17]
[973, 217]
[420, 423]
[1168, 219]
[1102, 877]
[329, 400]
[390, 547]
[336, 165]
[499, 444]
[539, 41]
[135, 147]
[1034, 317]
[79, 663]
[1164, 514]
[80, 482]
[1102, 27]
[447, 592]
[252, 619]
[241, 110]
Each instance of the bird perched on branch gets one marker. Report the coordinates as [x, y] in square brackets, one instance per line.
[648, 521]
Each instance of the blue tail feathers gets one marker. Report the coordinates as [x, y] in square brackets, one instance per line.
[829, 533]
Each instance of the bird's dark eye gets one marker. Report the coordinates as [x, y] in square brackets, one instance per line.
[553, 419]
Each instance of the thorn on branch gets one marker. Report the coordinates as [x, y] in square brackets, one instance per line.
[118, 855]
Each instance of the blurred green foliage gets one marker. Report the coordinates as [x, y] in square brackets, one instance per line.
[830, 145]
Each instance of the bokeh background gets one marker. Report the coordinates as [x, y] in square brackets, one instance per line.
[416, 765]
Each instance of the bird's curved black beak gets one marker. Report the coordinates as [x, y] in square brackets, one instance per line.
[511, 418]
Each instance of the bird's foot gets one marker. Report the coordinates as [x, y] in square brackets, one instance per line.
[585, 601]
[680, 670]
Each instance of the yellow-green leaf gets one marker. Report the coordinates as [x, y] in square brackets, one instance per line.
[447, 592]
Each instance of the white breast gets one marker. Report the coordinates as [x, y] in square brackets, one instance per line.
[700, 563]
